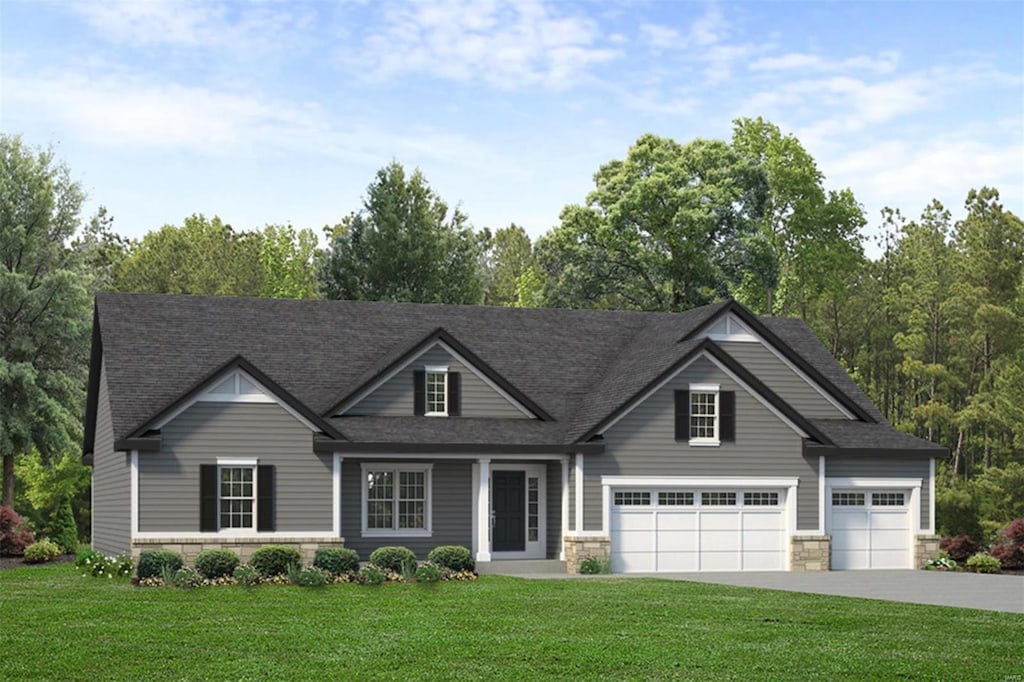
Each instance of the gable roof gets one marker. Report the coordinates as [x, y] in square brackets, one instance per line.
[572, 368]
[798, 343]
[401, 355]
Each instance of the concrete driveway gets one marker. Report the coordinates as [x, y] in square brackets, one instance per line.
[941, 588]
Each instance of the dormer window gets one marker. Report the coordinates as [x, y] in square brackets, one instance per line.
[436, 391]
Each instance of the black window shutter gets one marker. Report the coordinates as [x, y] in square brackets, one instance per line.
[208, 498]
[265, 497]
[727, 418]
[419, 391]
[682, 415]
[454, 394]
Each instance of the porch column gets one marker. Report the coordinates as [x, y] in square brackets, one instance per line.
[483, 510]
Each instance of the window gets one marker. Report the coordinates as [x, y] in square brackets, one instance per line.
[847, 499]
[237, 497]
[396, 499]
[437, 391]
[887, 499]
[718, 499]
[675, 499]
[760, 499]
[705, 415]
[702, 415]
[632, 499]
[533, 509]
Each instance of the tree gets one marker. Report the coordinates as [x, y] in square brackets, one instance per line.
[288, 258]
[810, 239]
[405, 245]
[44, 307]
[665, 229]
[200, 257]
[511, 255]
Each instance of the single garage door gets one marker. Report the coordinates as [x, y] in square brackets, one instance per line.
[870, 529]
[698, 530]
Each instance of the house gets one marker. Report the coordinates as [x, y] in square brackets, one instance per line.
[700, 441]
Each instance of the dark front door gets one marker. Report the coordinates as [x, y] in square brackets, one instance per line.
[508, 497]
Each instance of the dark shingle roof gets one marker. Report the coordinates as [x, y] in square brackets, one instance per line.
[578, 366]
[850, 434]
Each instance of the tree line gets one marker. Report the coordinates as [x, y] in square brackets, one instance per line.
[931, 327]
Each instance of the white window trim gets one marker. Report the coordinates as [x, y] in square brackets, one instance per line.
[427, 371]
[397, 467]
[236, 463]
[715, 389]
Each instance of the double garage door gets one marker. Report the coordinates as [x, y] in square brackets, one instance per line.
[669, 529]
[870, 528]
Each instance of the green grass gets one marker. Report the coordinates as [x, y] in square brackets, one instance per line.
[56, 624]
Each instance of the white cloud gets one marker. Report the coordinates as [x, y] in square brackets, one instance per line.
[193, 23]
[125, 111]
[885, 62]
[503, 44]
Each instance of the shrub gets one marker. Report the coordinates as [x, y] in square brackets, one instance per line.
[15, 534]
[960, 548]
[394, 559]
[216, 563]
[271, 560]
[152, 562]
[428, 572]
[942, 562]
[311, 577]
[43, 550]
[957, 513]
[983, 563]
[452, 557]
[336, 560]
[1009, 548]
[371, 574]
[63, 528]
[99, 566]
[592, 565]
[187, 577]
[246, 575]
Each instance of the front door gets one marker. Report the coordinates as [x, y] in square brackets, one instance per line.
[508, 507]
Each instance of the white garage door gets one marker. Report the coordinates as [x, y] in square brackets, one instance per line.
[870, 529]
[694, 530]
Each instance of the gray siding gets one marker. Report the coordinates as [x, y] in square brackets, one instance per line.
[111, 482]
[394, 398]
[451, 509]
[643, 444]
[885, 467]
[763, 364]
[169, 479]
[554, 503]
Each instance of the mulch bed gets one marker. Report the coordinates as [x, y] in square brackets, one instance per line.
[17, 562]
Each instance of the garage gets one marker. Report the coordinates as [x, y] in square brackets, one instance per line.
[870, 528]
[673, 529]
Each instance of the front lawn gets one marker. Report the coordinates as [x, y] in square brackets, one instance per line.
[56, 624]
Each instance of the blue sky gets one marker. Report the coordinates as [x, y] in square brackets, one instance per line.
[273, 112]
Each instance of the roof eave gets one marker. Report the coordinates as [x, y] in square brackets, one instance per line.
[324, 446]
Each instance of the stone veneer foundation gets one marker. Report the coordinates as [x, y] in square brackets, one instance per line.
[579, 548]
[189, 548]
[810, 553]
[925, 547]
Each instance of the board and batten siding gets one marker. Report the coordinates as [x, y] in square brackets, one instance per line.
[169, 479]
[643, 444]
[451, 508]
[111, 482]
[886, 467]
[781, 379]
[394, 398]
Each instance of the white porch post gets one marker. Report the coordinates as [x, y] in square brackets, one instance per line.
[483, 510]
[565, 507]
[579, 492]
